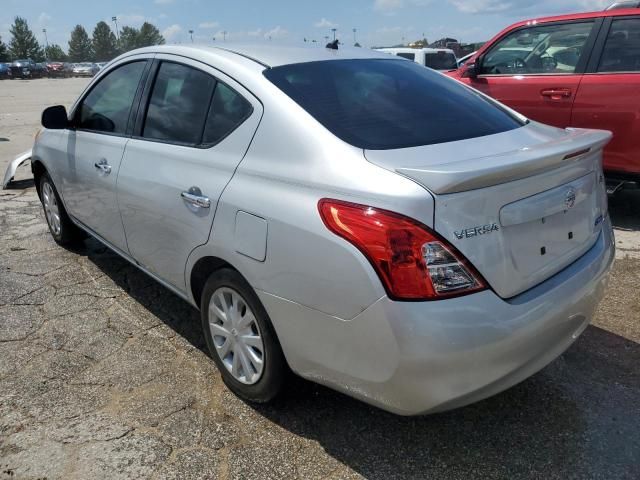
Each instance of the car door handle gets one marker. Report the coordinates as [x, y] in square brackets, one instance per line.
[194, 196]
[103, 166]
[556, 93]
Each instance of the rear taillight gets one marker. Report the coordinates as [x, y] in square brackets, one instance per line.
[413, 262]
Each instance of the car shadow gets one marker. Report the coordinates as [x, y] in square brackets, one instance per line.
[577, 418]
[624, 207]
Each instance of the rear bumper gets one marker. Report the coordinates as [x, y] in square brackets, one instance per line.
[421, 357]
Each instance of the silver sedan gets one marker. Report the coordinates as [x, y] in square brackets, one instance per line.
[355, 218]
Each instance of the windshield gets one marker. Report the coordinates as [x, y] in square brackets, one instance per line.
[441, 61]
[384, 104]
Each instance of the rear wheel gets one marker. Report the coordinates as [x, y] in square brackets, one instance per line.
[62, 229]
[241, 338]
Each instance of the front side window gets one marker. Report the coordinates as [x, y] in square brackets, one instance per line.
[106, 108]
[179, 104]
[546, 49]
[384, 104]
[622, 47]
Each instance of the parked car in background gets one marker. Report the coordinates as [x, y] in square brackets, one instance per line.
[444, 249]
[436, 58]
[580, 70]
[59, 69]
[26, 68]
[101, 65]
[85, 69]
[4, 70]
[42, 69]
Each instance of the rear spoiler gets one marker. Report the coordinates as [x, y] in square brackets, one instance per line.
[491, 170]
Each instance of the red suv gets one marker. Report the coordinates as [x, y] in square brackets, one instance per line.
[580, 70]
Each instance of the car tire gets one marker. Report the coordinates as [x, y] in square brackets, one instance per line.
[242, 338]
[62, 229]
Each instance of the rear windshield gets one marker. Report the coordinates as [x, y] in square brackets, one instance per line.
[383, 104]
[441, 61]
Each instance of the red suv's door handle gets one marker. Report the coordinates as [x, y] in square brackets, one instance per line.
[556, 93]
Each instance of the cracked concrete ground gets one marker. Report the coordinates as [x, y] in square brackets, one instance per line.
[103, 375]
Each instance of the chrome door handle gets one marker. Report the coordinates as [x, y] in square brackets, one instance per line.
[103, 166]
[194, 196]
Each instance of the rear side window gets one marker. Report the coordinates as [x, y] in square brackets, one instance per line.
[408, 56]
[228, 110]
[622, 47]
[106, 108]
[383, 104]
[179, 104]
[441, 61]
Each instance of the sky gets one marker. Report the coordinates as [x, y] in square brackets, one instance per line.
[377, 22]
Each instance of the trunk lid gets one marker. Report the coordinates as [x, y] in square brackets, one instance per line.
[520, 205]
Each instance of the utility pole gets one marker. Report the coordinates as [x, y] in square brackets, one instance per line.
[224, 35]
[115, 21]
[191, 35]
[354, 36]
[334, 33]
[46, 42]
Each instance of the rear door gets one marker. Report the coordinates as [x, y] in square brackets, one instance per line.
[191, 135]
[94, 149]
[537, 69]
[609, 94]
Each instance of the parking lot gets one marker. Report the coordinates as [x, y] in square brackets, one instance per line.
[103, 374]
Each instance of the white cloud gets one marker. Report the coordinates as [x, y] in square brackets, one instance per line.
[44, 19]
[130, 20]
[276, 32]
[163, 2]
[209, 25]
[387, 5]
[171, 32]
[390, 6]
[481, 6]
[324, 23]
[255, 33]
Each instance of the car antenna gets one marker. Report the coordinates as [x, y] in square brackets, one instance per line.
[333, 45]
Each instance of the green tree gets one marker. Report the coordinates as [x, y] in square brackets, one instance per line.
[23, 43]
[104, 43]
[55, 52]
[4, 53]
[128, 38]
[149, 35]
[80, 48]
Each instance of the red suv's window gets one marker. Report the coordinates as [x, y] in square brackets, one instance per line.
[622, 47]
[542, 49]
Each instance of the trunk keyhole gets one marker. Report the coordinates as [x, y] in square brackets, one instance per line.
[570, 235]
[543, 250]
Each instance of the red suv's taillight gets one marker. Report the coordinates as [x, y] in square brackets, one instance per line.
[413, 262]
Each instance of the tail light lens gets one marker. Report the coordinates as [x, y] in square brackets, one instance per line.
[412, 261]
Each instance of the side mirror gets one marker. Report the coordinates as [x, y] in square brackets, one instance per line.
[471, 71]
[55, 118]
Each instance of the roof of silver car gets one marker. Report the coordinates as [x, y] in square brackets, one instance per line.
[274, 54]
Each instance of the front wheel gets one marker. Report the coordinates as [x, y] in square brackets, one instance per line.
[241, 338]
[62, 229]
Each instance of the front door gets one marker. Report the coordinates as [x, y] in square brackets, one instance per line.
[536, 70]
[95, 146]
[197, 127]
